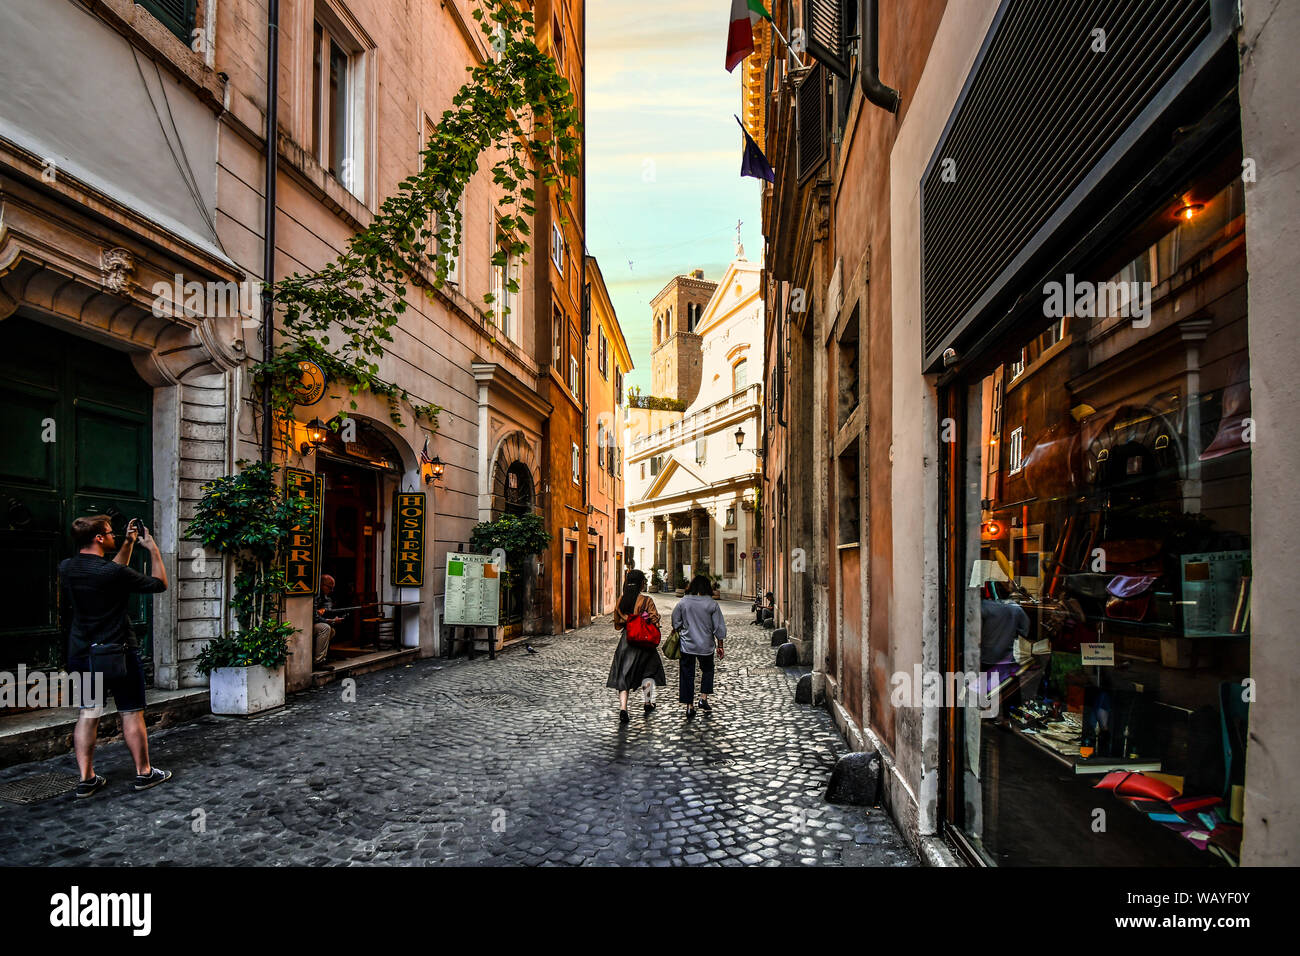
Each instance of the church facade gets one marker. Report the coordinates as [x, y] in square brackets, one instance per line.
[693, 477]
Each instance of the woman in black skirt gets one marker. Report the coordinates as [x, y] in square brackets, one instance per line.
[635, 665]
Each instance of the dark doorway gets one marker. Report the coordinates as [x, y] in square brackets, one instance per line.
[593, 581]
[570, 587]
[350, 532]
[76, 422]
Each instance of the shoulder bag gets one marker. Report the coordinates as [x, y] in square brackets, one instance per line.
[641, 632]
[109, 660]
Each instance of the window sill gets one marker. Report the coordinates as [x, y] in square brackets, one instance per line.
[322, 184]
[145, 32]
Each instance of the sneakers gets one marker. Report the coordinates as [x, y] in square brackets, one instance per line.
[88, 788]
[152, 779]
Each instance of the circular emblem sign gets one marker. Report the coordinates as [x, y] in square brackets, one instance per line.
[310, 389]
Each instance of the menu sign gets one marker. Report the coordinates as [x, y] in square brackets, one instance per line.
[302, 556]
[408, 539]
[473, 591]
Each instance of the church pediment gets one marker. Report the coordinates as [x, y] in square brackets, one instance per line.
[674, 479]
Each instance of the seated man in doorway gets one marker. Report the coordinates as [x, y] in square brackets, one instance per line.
[325, 619]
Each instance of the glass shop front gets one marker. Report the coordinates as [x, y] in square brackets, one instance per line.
[1104, 513]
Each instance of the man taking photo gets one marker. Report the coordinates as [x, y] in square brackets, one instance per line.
[95, 593]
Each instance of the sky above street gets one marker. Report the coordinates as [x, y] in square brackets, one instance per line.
[664, 190]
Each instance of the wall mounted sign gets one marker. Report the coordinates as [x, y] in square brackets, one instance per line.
[408, 539]
[310, 389]
[473, 591]
[302, 556]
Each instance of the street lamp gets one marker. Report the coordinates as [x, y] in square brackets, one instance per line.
[740, 438]
[315, 436]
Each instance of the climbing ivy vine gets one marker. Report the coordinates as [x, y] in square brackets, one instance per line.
[519, 110]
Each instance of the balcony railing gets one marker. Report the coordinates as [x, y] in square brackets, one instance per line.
[674, 433]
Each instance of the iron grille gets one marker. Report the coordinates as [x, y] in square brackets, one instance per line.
[825, 20]
[1040, 111]
[810, 116]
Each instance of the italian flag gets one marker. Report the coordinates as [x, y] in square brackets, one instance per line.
[740, 37]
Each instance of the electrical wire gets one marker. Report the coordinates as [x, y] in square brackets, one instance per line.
[190, 186]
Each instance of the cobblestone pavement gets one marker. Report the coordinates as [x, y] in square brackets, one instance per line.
[515, 761]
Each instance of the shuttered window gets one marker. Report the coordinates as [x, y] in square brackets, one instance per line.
[825, 20]
[1054, 103]
[810, 119]
[175, 15]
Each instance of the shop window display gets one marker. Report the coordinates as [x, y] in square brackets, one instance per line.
[1112, 586]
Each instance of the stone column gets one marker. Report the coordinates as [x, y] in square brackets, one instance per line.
[697, 552]
[657, 535]
[671, 522]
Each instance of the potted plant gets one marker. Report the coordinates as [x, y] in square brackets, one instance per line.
[247, 517]
[717, 585]
[519, 537]
[656, 581]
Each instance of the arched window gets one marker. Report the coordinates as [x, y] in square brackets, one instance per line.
[659, 331]
[739, 375]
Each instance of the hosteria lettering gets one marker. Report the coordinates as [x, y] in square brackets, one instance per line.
[408, 539]
[302, 557]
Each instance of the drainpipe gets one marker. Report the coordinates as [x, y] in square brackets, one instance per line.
[268, 226]
[883, 96]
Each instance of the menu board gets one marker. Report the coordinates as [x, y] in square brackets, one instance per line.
[473, 591]
[1212, 591]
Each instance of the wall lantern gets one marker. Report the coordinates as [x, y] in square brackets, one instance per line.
[740, 439]
[1189, 210]
[436, 468]
[315, 436]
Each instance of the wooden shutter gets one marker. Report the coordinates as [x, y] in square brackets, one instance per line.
[824, 23]
[175, 15]
[810, 119]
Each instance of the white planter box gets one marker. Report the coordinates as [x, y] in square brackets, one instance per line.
[245, 691]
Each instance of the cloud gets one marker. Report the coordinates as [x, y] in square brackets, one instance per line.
[657, 89]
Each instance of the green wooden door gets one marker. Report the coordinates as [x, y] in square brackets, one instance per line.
[75, 439]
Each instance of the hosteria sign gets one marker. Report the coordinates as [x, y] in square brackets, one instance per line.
[302, 557]
[408, 539]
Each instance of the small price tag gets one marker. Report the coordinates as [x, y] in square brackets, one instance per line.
[1101, 655]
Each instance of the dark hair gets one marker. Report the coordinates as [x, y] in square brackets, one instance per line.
[700, 584]
[85, 530]
[633, 585]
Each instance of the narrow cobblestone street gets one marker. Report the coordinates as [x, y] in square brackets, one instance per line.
[518, 761]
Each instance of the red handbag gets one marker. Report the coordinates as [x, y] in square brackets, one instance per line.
[641, 631]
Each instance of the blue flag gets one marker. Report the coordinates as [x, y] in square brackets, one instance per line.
[754, 163]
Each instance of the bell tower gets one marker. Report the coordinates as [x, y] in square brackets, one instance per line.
[675, 356]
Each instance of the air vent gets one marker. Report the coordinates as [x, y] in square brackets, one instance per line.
[1041, 110]
[810, 108]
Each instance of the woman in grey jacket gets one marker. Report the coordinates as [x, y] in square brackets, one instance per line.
[699, 624]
